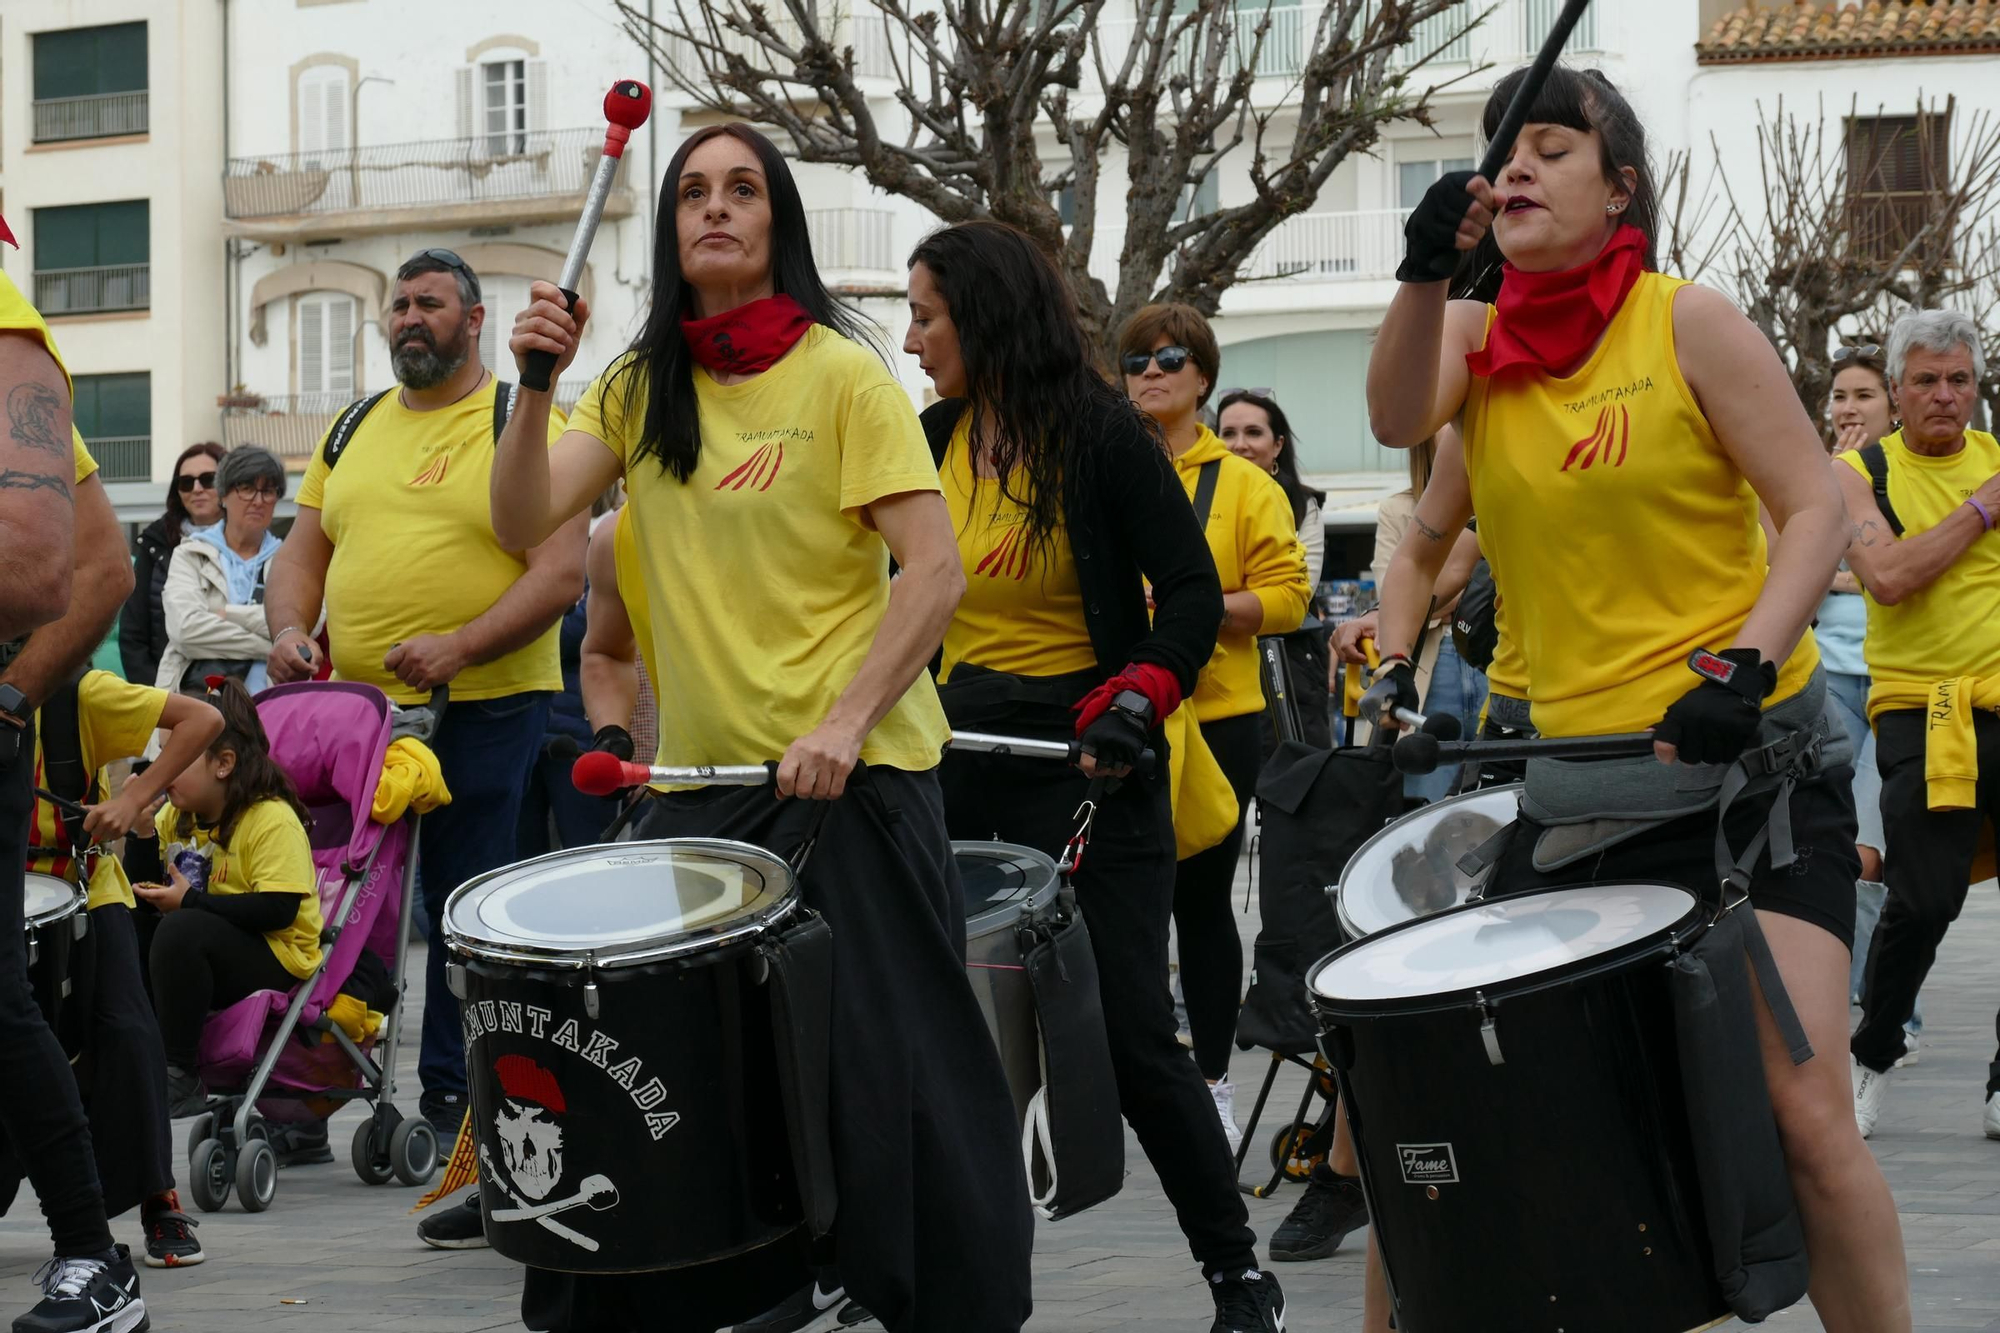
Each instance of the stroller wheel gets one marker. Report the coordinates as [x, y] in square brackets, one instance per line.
[202, 1128]
[413, 1151]
[1295, 1149]
[372, 1166]
[256, 1175]
[209, 1174]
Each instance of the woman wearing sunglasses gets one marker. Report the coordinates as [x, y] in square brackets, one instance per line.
[1170, 360]
[192, 502]
[213, 597]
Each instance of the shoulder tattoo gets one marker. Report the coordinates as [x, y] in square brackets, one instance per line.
[34, 412]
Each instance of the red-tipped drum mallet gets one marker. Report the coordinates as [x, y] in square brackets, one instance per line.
[626, 107]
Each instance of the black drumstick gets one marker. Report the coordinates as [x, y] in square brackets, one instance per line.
[70, 808]
[1419, 753]
[1502, 146]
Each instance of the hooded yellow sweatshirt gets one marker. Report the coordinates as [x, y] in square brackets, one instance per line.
[1256, 548]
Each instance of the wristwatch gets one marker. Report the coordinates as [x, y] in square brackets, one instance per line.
[1134, 705]
[1750, 682]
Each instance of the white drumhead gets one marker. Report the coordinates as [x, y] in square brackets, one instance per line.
[1501, 941]
[619, 898]
[50, 899]
[1410, 869]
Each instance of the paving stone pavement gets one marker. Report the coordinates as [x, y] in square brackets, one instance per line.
[347, 1256]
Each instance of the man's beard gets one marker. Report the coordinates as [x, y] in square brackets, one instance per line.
[420, 365]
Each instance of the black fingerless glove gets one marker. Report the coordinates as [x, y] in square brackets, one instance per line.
[1118, 736]
[1430, 237]
[1395, 687]
[1715, 722]
[613, 740]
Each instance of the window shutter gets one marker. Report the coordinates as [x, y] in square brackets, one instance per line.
[339, 345]
[312, 345]
[467, 124]
[538, 95]
[312, 118]
[336, 112]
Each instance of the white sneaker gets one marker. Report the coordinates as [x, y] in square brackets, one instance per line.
[1909, 1049]
[1225, 1107]
[1869, 1089]
[1993, 1116]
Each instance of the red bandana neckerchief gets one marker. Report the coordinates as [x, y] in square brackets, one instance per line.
[749, 338]
[1550, 321]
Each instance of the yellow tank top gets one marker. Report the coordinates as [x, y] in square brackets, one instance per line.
[1946, 630]
[1022, 612]
[1622, 535]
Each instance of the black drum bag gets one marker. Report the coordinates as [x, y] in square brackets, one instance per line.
[1753, 1221]
[1085, 1138]
[801, 961]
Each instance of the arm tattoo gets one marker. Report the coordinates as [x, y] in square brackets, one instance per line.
[33, 411]
[1429, 532]
[1866, 532]
[12, 479]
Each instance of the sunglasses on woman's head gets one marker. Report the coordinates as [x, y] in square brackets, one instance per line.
[186, 484]
[1171, 360]
[1865, 352]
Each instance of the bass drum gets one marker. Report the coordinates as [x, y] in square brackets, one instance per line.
[56, 922]
[1514, 1084]
[620, 1053]
[1410, 869]
[1006, 887]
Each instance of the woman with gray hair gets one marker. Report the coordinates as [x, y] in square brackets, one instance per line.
[214, 594]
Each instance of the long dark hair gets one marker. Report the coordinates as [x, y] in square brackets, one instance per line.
[256, 777]
[1287, 472]
[1578, 99]
[672, 429]
[1030, 373]
[177, 514]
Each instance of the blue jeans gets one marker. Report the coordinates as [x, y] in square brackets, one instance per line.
[1850, 697]
[485, 749]
[1460, 690]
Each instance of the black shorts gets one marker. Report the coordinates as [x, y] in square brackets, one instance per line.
[1818, 886]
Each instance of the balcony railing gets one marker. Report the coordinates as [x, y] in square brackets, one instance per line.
[83, 291]
[852, 238]
[99, 116]
[1538, 16]
[1332, 247]
[123, 457]
[548, 164]
[291, 425]
[868, 34]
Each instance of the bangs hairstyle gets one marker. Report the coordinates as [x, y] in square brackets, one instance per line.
[1583, 100]
[256, 777]
[1030, 373]
[1297, 493]
[658, 360]
[1181, 326]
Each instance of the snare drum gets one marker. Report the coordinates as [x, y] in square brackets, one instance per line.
[1410, 869]
[1515, 1088]
[56, 920]
[620, 1056]
[1005, 887]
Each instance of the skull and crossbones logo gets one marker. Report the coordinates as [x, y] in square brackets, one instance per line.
[529, 1127]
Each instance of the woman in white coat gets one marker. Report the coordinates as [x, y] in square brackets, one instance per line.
[214, 593]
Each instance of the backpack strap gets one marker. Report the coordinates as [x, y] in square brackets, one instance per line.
[344, 425]
[1204, 491]
[63, 768]
[503, 405]
[1876, 460]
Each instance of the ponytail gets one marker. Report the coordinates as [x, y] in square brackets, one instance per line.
[256, 777]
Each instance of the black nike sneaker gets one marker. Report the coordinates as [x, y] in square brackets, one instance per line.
[96, 1293]
[1247, 1301]
[1327, 1213]
[811, 1309]
[458, 1227]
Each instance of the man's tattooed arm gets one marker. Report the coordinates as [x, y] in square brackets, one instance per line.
[34, 413]
[13, 479]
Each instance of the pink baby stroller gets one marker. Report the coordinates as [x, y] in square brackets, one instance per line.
[276, 1055]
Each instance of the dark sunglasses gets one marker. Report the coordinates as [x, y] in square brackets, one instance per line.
[1171, 360]
[185, 484]
[450, 259]
[1865, 352]
[1265, 392]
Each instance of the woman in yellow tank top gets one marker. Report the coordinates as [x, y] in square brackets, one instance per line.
[1619, 429]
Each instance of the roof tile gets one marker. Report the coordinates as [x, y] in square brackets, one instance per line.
[1848, 29]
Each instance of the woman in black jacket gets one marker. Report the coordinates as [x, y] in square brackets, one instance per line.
[192, 502]
[1067, 509]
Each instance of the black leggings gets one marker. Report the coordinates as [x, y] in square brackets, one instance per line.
[201, 963]
[1211, 954]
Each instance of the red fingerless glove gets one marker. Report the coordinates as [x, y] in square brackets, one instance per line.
[1158, 684]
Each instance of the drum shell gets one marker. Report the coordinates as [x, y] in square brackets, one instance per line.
[1585, 1116]
[696, 1148]
[995, 960]
[51, 942]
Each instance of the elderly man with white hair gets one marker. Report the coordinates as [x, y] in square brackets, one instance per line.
[1923, 505]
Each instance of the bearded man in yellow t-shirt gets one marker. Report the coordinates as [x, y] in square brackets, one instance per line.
[1929, 564]
[395, 546]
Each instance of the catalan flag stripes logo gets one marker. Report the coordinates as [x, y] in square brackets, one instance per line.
[433, 472]
[758, 472]
[1008, 560]
[1614, 431]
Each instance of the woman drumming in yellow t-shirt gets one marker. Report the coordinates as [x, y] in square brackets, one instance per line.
[1619, 429]
[773, 467]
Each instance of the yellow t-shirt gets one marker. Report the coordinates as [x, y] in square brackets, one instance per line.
[114, 721]
[17, 313]
[1622, 535]
[764, 583]
[268, 852]
[1256, 548]
[1021, 613]
[1507, 673]
[632, 590]
[1947, 630]
[411, 522]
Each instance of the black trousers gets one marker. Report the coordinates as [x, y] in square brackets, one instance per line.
[123, 1068]
[934, 1230]
[42, 1113]
[1124, 888]
[202, 963]
[1211, 953]
[1926, 865]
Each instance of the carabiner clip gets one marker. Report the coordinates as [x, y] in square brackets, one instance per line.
[1072, 852]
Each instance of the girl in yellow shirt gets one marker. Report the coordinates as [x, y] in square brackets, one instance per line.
[1620, 428]
[242, 898]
